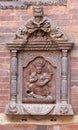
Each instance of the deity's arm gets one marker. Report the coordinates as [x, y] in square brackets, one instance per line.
[33, 77]
[46, 78]
[44, 81]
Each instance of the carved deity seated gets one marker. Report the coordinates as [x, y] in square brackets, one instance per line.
[37, 86]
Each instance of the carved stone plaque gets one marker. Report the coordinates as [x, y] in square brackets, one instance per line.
[38, 81]
[40, 68]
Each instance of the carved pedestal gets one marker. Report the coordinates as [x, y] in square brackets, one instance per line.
[40, 69]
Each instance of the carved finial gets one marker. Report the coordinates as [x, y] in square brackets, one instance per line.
[37, 3]
[38, 10]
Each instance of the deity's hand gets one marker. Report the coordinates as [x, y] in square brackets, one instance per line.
[33, 79]
[40, 83]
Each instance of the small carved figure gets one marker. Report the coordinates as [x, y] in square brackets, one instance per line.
[64, 110]
[12, 107]
[38, 81]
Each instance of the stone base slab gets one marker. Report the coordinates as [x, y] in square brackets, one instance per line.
[38, 109]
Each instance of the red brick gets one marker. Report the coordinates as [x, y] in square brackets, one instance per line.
[4, 79]
[3, 104]
[7, 30]
[4, 92]
[17, 127]
[2, 109]
[74, 96]
[4, 73]
[74, 59]
[4, 85]
[23, 127]
[9, 18]
[74, 83]
[74, 74]
[5, 66]
[74, 28]
[54, 127]
[75, 101]
[21, 13]
[4, 98]
[4, 48]
[63, 22]
[24, 17]
[74, 65]
[4, 54]
[74, 89]
[40, 127]
[75, 17]
[12, 24]
[70, 127]
[75, 109]
[74, 11]
[4, 60]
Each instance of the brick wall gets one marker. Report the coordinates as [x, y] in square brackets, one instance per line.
[4, 76]
[32, 127]
[65, 17]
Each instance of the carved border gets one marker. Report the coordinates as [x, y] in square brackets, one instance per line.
[24, 4]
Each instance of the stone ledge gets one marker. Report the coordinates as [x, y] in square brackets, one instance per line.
[52, 120]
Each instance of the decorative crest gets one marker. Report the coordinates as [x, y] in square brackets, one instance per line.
[38, 23]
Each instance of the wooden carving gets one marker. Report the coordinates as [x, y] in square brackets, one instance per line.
[40, 76]
[39, 23]
[37, 86]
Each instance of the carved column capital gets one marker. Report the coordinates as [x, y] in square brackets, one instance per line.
[64, 53]
[13, 52]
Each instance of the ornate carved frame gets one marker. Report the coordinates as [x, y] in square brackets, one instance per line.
[23, 4]
[57, 44]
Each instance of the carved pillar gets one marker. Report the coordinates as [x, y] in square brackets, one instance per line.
[64, 76]
[14, 75]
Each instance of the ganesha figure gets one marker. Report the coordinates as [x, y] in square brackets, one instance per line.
[37, 86]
